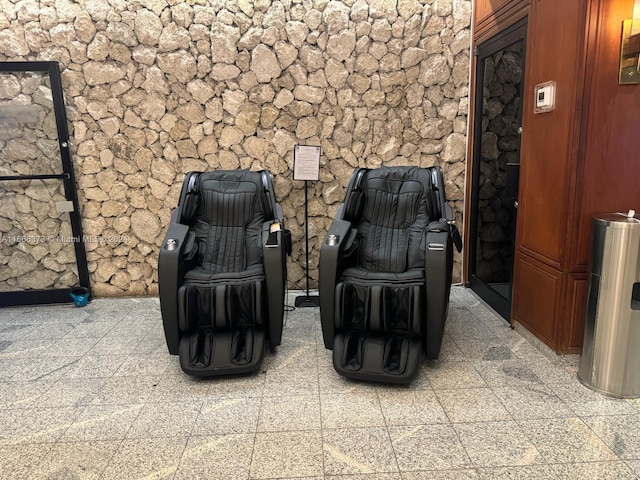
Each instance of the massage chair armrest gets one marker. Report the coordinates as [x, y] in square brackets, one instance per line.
[274, 250]
[438, 269]
[340, 239]
[171, 268]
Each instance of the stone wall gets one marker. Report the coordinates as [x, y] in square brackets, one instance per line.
[157, 88]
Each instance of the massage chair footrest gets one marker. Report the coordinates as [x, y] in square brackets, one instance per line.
[377, 358]
[213, 353]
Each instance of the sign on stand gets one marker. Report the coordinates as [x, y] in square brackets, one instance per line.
[306, 166]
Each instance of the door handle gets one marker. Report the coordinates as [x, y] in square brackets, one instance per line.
[515, 204]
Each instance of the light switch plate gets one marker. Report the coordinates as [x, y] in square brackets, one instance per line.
[545, 97]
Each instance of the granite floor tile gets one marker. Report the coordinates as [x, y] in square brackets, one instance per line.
[566, 440]
[364, 476]
[217, 457]
[117, 390]
[165, 420]
[483, 348]
[528, 402]
[144, 364]
[527, 472]
[93, 393]
[178, 388]
[50, 331]
[635, 466]
[301, 334]
[497, 444]
[156, 458]
[466, 328]
[344, 410]
[331, 382]
[300, 412]
[305, 478]
[428, 447]
[5, 345]
[287, 454]
[453, 375]
[71, 347]
[421, 382]
[154, 345]
[227, 415]
[449, 351]
[289, 360]
[15, 330]
[291, 383]
[402, 407]
[358, 451]
[37, 315]
[599, 470]
[525, 351]
[15, 369]
[18, 461]
[472, 405]
[23, 394]
[107, 345]
[75, 460]
[102, 422]
[621, 433]
[90, 329]
[503, 373]
[552, 374]
[144, 323]
[241, 386]
[10, 313]
[36, 425]
[94, 366]
[138, 327]
[453, 474]
[584, 402]
[496, 352]
[49, 368]
[25, 348]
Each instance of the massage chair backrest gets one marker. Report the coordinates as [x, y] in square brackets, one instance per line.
[391, 207]
[226, 210]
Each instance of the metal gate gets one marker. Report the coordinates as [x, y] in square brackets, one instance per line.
[42, 254]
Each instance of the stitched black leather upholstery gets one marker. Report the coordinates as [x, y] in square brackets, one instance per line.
[222, 273]
[385, 273]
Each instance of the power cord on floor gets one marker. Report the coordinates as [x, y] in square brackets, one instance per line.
[289, 308]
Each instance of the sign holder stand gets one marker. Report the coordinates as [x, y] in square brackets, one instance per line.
[306, 166]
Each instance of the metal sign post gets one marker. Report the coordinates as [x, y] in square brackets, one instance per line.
[306, 166]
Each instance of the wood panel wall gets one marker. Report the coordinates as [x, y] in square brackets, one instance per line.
[491, 16]
[612, 133]
[548, 165]
[581, 159]
[608, 155]
[553, 53]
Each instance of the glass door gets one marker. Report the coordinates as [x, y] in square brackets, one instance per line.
[496, 165]
[42, 255]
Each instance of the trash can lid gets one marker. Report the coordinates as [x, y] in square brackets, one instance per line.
[618, 219]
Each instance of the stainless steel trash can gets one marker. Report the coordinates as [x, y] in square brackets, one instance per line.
[610, 361]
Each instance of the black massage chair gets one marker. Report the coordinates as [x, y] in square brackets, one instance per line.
[222, 272]
[385, 273]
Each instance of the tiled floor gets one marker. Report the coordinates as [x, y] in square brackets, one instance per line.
[92, 393]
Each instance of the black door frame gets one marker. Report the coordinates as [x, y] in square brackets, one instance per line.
[52, 295]
[507, 37]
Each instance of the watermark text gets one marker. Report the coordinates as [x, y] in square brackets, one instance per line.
[35, 239]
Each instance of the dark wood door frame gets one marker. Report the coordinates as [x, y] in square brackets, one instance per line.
[510, 35]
